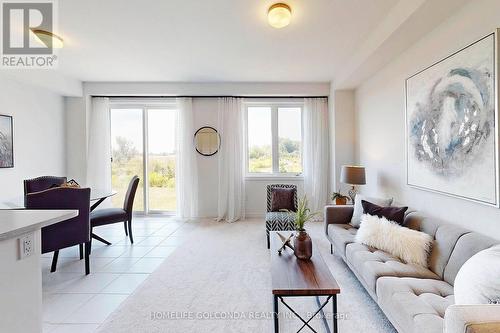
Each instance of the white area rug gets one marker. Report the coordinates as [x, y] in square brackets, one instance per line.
[219, 281]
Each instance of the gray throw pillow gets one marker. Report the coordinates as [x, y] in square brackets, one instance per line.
[358, 207]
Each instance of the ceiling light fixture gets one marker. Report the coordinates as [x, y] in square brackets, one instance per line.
[279, 15]
[49, 39]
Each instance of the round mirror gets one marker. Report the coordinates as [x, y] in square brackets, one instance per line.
[207, 141]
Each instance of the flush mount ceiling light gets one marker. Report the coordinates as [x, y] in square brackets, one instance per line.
[49, 39]
[279, 15]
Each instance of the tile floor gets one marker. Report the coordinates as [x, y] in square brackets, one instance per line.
[73, 302]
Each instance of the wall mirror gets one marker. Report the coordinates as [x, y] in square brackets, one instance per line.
[207, 141]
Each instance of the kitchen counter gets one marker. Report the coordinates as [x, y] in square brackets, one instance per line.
[17, 222]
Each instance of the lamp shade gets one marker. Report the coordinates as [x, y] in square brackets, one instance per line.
[353, 175]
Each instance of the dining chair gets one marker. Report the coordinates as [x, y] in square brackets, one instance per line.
[75, 231]
[106, 216]
[41, 183]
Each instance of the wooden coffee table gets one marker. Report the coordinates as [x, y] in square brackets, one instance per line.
[292, 277]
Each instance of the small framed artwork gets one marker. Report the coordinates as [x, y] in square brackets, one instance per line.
[452, 124]
[6, 142]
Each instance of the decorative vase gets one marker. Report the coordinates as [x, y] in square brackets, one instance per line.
[341, 201]
[302, 245]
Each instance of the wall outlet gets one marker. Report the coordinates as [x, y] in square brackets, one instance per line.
[26, 246]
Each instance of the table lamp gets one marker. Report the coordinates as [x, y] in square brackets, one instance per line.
[353, 175]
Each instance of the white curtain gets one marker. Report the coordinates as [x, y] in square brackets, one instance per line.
[315, 152]
[186, 176]
[231, 157]
[99, 146]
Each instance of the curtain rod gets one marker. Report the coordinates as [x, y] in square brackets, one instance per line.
[203, 96]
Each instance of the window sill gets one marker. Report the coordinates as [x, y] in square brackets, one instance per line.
[273, 177]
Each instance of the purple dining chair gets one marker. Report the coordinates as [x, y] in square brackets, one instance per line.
[105, 216]
[75, 231]
[41, 183]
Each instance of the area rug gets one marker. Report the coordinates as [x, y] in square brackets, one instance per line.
[219, 280]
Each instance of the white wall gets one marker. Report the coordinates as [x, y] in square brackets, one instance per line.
[341, 135]
[380, 120]
[39, 134]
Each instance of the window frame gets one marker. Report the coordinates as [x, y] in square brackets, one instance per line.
[274, 106]
[144, 105]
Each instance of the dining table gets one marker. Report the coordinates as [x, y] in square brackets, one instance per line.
[97, 196]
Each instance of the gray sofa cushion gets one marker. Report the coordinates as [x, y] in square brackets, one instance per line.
[445, 235]
[415, 305]
[467, 246]
[341, 235]
[372, 264]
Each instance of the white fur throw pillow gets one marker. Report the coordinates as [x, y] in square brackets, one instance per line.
[478, 280]
[409, 245]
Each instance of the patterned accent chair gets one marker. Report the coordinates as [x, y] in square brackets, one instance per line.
[279, 221]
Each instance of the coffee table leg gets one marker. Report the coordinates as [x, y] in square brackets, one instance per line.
[275, 314]
[334, 301]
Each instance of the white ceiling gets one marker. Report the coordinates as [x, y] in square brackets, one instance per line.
[212, 40]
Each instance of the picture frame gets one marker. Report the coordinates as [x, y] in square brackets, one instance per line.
[451, 122]
[6, 142]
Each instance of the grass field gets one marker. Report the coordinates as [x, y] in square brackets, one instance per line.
[161, 175]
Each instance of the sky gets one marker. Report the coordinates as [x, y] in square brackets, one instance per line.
[259, 125]
[161, 127]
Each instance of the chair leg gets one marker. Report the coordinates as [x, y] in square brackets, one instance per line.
[100, 239]
[125, 227]
[87, 258]
[80, 247]
[130, 231]
[268, 240]
[54, 261]
[331, 248]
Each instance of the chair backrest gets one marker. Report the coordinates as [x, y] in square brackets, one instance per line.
[42, 183]
[128, 203]
[66, 233]
[270, 188]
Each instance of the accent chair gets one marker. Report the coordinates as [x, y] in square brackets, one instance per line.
[278, 199]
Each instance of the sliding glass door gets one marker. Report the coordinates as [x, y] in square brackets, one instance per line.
[161, 160]
[127, 154]
[143, 144]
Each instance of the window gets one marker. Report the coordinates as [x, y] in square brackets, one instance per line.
[274, 136]
[143, 144]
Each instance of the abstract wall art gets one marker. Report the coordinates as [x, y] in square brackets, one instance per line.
[451, 123]
[6, 142]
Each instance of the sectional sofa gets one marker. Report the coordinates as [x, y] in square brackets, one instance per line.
[414, 298]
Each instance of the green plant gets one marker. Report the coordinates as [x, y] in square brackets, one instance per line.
[338, 195]
[303, 214]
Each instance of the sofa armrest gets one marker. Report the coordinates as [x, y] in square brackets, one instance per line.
[337, 215]
[472, 318]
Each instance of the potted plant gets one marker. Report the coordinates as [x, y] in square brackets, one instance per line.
[339, 198]
[302, 243]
